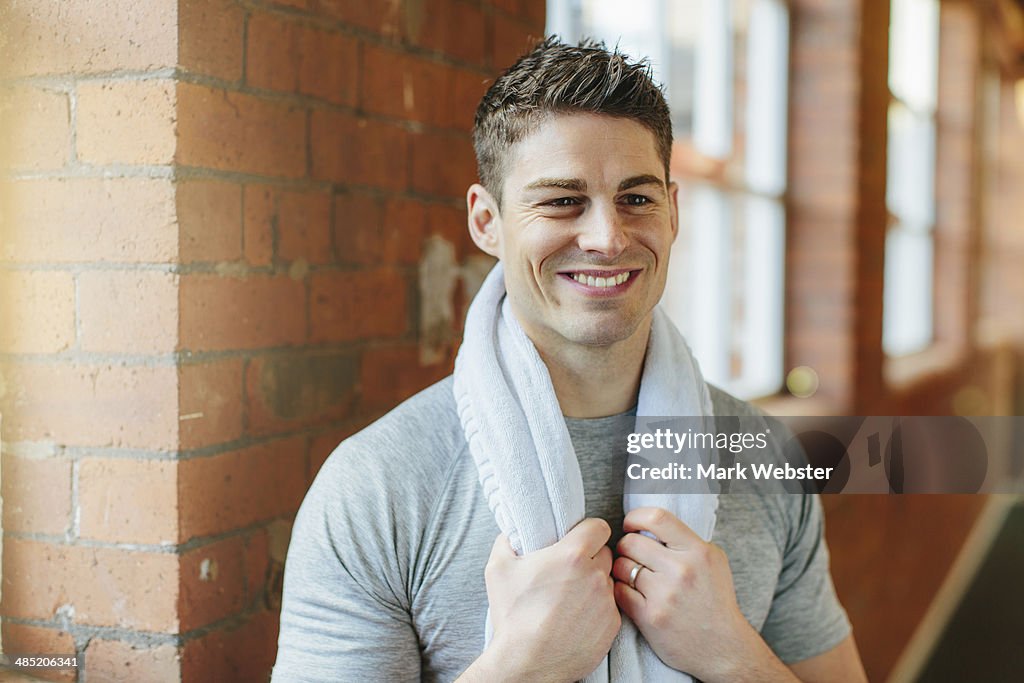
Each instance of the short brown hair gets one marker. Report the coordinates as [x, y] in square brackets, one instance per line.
[555, 78]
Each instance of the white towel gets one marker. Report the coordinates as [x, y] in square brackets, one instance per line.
[525, 458]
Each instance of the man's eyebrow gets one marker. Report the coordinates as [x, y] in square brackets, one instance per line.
[573, 184]
[638, 180]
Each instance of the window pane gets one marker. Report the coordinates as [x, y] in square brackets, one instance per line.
[913, 52]
[907, 305]
[910, 190]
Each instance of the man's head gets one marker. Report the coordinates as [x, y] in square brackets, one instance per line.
[555, 78]
[587, 215]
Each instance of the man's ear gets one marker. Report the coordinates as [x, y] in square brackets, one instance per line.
[673, 203]
[484, 219]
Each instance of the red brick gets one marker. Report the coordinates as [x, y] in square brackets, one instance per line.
[290, 57]
[512, 39]
[233, 131]
[36, 495]
[210, 36]
[114, 661]
[258, 221]
[358, 151]
[25, 639]
[104, 586]
[35, 128]
[37, 313]
[443, 164]
[249, 485]
[322, 445]
[406, 87]
[209, 220]
[246, 653]
[468, 87]
[126, 122]
[90, 405]
[451, 26]
[210, 402]
[128, 311]
[347, 306]
[128, 501]
[297, 390]
[257, 560]
[84, 36]
[392, 374]
[212, 582]
[219, 313]
[304, 226]
[130, 220]
[384, 17]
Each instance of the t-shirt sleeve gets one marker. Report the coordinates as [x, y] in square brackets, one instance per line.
[344, 615]
[805, 618]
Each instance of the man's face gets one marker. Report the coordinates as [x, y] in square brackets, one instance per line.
[585, 230]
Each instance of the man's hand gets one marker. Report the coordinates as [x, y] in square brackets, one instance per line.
[553, 610]
[684, 602]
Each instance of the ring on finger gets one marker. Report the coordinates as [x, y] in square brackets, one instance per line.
[633, 573]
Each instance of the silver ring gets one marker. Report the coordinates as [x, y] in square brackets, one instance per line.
[633, 573]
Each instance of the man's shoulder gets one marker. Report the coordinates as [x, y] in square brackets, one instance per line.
[417, 441]
[725, 404]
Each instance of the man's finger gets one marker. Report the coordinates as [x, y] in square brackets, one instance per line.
[502, 549]
[668, 528]
[591, 534]
[629, 601]
[646, 551]
[622, 570]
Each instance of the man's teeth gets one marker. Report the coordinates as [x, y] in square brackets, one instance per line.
[592, 281]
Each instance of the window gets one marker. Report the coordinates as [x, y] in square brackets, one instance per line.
[724, 66]
[908, 306]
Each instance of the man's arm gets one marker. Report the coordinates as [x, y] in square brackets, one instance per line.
[841, 664]
[339, 619]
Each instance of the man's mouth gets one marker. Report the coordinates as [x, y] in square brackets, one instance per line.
[600, 279]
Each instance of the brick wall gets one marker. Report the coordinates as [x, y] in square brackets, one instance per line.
[231, 233]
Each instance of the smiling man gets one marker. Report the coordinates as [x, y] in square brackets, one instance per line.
[480, 531]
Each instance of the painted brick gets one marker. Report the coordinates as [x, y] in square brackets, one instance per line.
[259, 218]
[104, 586]
[219, 313]
[405, 86]
[210, 402]
[35, 128]
[443, 164]
[90, 405]
[114, 661]
[250, 485]
[290, 57]
[37, 496]
[37, 311]
[128, 501]
[455, 28]
[245, 653]
[127, 220]
[347, 306]
[212, 582]
[358, 151]
[210, 34]
[209, 220]
[84, 36]
[392, 374]
[128, 311]
[304, 226]
[289, 391]
[127, 122]
[512, 39]
[22, 638]
[233, 131]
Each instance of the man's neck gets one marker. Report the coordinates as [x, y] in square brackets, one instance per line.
[592, 381]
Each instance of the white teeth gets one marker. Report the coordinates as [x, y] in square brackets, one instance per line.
[611, 281]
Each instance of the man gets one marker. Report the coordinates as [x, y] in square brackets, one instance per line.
[398, 568]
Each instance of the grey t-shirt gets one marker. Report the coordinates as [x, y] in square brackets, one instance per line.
[384, 577]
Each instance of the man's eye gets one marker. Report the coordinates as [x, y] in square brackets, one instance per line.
[563, 201]
[636, 200]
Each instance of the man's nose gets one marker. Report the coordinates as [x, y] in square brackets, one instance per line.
[602, 232]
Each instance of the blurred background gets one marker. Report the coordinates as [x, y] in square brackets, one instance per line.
[232, 233]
